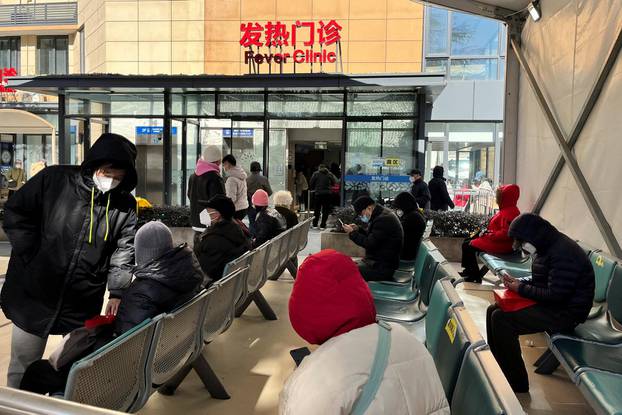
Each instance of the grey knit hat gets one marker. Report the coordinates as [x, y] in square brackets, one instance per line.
[152, 240]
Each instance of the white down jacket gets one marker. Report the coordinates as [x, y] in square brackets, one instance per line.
[235, 187]
[329, 381]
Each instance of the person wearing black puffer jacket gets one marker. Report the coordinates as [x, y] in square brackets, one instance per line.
[439, 195]
[562, 286]
[382, 240]
[71, 230]
[413, 223]
[223, 240]
[166, 277]
[321, 183]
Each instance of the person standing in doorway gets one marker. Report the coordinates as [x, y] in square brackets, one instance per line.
[253, 183]
[302, 187]
[72, 231]
[439, 195]
[420, 189]
[235, 186]
[321, 182]
[205, 183]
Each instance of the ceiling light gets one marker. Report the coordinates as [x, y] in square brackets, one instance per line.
[534, 10]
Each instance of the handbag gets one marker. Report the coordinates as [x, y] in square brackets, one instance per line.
[510, 301]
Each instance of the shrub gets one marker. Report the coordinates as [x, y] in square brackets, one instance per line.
[456, 224]
[347, 215]
[171, 216]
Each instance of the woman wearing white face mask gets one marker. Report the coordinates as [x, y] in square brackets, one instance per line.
[72, 233]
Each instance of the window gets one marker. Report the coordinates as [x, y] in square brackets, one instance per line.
[436, 65]
[437, 31]
[52, 55]
[9, 53]
[472, 35]
[480, 69]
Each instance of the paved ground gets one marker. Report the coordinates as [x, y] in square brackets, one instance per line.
[252, 358]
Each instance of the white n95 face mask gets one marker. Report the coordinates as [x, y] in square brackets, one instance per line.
[529, 248]
[104, 183]
[205, 218]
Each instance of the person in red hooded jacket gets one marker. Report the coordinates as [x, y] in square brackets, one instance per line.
[495, 239]
[332, 306]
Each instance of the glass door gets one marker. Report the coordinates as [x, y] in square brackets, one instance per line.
[363, 160]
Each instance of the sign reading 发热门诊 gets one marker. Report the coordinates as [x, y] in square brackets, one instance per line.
[5, 73]
[279, 35]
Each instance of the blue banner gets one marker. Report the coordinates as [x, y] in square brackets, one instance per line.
[150, 130]
[238, 132]
[381, 178]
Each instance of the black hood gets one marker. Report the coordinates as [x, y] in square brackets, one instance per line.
[115, 149]
[438, 172]
[406, 202]
[533, 229]
[178, 269]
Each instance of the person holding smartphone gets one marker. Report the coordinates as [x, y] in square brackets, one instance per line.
[562, 286]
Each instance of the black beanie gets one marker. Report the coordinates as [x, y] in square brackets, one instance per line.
[223, 205]
[362, 203]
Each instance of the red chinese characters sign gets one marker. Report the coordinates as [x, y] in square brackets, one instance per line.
[301, 33]
[4, 73]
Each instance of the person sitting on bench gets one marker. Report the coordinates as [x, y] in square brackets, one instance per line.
[165, 277]
[382, 239]
[562, 287]
[495, 240]
[269, 223]
[332, 306]
[413, 223]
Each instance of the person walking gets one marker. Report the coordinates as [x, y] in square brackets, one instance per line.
[383, 239]
[71, 230]
[495, 240]
[321, 182]
[439, 196]
[562, 287]
[205, 183]
[420, 189]
[413, 223]
[332, 307]
[235, 186]
[223, 240]
[254, 182]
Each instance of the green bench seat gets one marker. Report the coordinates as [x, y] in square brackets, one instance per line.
[577, 355]
[602, 391]
[516, 265]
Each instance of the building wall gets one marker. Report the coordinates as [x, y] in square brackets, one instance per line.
[566, 73]
[377, 35]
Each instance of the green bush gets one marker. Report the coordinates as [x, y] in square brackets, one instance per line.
[171, 216]
[456, 224]
[347, 216]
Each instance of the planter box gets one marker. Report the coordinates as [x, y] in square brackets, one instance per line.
[451, 248]
[340, 242]
[183, 235]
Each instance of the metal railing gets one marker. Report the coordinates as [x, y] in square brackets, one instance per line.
[39, 14]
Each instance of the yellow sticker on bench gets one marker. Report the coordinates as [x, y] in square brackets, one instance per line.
[451, 327]
[600, 261]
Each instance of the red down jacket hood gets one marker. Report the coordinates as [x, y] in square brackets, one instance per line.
[329, 298]
[496, 240]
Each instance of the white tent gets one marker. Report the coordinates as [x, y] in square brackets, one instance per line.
[563, 100]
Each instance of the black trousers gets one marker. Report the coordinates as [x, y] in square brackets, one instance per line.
[469, 258]
[322, 204]
[240, 214]
[40, 377]
[374, 273]
[504, 328]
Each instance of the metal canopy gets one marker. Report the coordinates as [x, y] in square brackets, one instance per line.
[430, 84]
[496, 9]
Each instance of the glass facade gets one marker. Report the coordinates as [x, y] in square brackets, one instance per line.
[368, 133]
[52, 55]
[9, 53]
[464, 46]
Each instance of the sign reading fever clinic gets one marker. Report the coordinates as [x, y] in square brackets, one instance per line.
[300, 37]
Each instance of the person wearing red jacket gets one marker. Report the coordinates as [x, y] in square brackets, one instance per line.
[495, 239]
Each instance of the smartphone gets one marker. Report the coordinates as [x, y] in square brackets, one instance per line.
[340, 222]
[299, 354]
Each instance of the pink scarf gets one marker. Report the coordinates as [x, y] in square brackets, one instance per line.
[205, 167]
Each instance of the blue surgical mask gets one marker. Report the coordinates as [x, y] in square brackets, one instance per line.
[364, 219]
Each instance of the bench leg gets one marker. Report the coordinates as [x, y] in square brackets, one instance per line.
[171, 386]
[263, 306]
[292, 267]
[242, 308]
[209, 379]
[547, 363]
